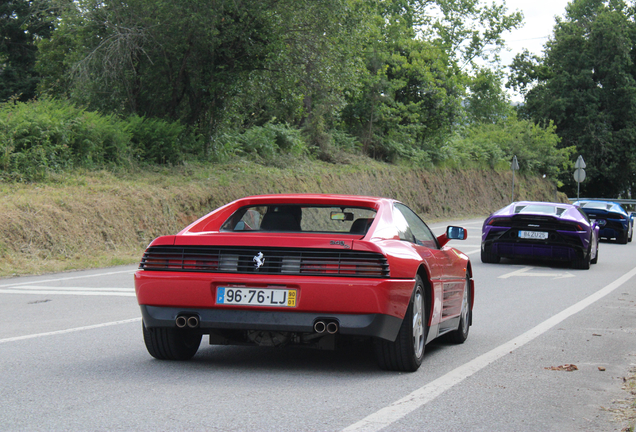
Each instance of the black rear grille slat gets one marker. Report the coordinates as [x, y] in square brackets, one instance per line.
[309, 262]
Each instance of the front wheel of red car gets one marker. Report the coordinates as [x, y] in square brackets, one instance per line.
[407, 351]
[171, 343]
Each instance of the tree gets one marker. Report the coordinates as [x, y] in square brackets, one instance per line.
[586, 85]
[486, 101]
[419, 58]
[22, 22]
[205, 62]
[170, 59]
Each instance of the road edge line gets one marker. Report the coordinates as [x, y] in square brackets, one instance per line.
[418, 398]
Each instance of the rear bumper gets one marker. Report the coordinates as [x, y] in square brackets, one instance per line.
[613, 232]
[361, 306]
[375, 325]
[319, 294]
[559, 246]
[534, 250]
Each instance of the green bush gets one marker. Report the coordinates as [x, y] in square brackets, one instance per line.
[37, 137]
[160, 142]
[265, 142]
[491, 145]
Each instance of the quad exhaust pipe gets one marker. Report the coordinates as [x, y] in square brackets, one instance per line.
[330, 327]
[184, 321]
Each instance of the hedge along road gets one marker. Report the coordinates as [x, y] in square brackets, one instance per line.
[72, 358]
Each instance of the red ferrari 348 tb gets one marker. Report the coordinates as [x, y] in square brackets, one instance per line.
[314, 270]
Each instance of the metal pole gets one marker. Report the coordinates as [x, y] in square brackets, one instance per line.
[512, 194]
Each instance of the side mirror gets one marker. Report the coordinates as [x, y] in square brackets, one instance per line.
[456, 233]
[452, 233]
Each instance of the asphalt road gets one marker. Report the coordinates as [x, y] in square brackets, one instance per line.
[72, 358]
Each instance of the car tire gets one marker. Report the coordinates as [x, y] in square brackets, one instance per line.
[171, 343]
[489, 257]
[407, 351]
[460, 335]
[583, 263]
[622, 239]
[631, 234]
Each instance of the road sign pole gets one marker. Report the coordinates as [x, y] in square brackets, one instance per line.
[514, 166]
[579, 175]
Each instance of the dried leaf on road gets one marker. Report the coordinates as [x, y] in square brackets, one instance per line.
[566, 367]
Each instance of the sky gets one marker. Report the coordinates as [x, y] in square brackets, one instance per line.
[538, 24]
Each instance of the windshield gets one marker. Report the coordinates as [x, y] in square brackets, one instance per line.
[300, 218]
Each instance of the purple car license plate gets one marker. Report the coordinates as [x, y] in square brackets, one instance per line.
[533, 235]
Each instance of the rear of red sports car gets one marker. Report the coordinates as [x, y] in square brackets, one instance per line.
[276, 270]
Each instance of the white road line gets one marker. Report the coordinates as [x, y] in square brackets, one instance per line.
[44, 287]
[525, 272]
[66, 292]
[519, 272]
[67, 278]
[71, 330]
[399, 409]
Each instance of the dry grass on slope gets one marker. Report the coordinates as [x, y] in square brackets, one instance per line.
[101, 219]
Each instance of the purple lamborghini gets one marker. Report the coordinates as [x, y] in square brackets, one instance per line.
[540, 230]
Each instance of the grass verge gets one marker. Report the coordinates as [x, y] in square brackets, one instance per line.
[82, 219]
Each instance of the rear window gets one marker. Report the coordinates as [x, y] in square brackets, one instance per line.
[300, 218]
[596, 205]
[541, 209]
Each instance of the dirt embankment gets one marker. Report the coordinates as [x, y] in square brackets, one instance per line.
[102, 219]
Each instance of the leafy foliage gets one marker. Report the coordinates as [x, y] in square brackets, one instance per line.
[210, 80]
[22, 22]
[38, 137]
[410, 99]
[52, 135]
[486, 102]
[586, 85]
[265, 141]
[494, 145]
[159, 142]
